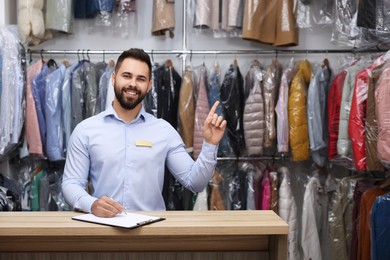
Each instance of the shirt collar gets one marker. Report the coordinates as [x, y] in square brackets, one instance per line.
[110, 111]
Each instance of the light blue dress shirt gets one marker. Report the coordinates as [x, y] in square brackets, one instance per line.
[126, 161]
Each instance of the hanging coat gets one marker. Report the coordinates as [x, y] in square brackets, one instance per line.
[317, 100]
[357, 117]
[163, 19]
[233, 102]
[371, 137]
[201, 111]
[281, 109]
[216, 198]
[270, 92]
[344, 148]
[270, 22]
[254, 113]
[287, 209]
[334, 103]
[299, 139]
[186, 110]
[382, 108]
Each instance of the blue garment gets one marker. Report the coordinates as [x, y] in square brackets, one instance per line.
[53, 107]
[38, 90]
[127, 161]
[103, 85]
[380, 228]
[66, 112]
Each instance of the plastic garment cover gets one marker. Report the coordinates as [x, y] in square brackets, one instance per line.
[12, 90]
[106, 7]
[382, 108]
[216, 199]
[124, 20]
[313, 14]
[382, 18]
[168, 83]
[340, 218]
[224, 148]
[254, 112]
[201, 111]
[186, 110]
[297, 116]
[281, 109]
[270, 22]
[344, 148]
[150, 100]
[317, 101]
[84, 92]
[315, 217]
[206, 14]
[371, 137]
[252, 173]
[238, 188]
[59, 15]
[233, 102]
[53, 107]
[357, 117]
[163, 19]
[270, 92]
[32, 128]
[201, 202]
[380, 228]
[334, 102]
[287, 210]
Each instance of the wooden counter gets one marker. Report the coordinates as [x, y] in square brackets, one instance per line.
[182, 231]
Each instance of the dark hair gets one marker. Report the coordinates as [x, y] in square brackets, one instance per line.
[137, 54]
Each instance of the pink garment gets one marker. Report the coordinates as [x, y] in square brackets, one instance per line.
[266, 191]
[201, 111]
[32, 127]
[382, 108]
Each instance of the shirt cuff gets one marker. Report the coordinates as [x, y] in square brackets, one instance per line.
[85, 204]
[209, 151]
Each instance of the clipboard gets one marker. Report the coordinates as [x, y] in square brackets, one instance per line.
[124, 220]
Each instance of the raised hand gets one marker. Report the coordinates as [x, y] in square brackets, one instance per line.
[214, 126]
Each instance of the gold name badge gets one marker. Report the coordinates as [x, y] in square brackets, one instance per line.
[144, 143]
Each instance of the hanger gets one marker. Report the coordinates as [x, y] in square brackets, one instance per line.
[168, 63]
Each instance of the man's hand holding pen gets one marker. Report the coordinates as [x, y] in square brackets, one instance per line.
[106, 207]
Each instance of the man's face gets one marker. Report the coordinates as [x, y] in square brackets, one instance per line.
[131, 83]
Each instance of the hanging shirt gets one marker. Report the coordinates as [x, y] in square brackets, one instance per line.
[32, 127]
[53, 107]
[380, 228]
[127, 162]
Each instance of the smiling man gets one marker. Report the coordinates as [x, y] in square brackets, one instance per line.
[123, 150]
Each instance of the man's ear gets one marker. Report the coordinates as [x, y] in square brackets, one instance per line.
[113, 78]
[150, 85]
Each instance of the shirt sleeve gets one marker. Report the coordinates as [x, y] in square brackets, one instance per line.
[193, 175]
[75, 177]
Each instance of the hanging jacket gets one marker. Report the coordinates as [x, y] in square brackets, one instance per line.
[186, 110]
[163, 18]
[317, 100]
[201, 111]
[281, 109]
[53, 115]
[371, 137]
[270, 22]
[32, 127]
[298, 135]
[254, 113]
[287, 209]
[59, 15]
[270, 92]
[216, 198]
[357, 117]
[233, 102]
[340, 219]
[206, 14]
[334, 103]
[314, 218]
[382, 108]
[344, 148]
[380, 228]
[365, 227]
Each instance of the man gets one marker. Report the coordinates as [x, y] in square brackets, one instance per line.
[123, 150]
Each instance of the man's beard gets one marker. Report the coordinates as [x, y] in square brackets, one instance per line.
[126, 103]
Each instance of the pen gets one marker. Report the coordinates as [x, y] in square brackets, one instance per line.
[124, 211]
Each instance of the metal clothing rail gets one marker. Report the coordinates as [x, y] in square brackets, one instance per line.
[195, 52]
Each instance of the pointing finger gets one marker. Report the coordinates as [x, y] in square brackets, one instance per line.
[214, 108]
